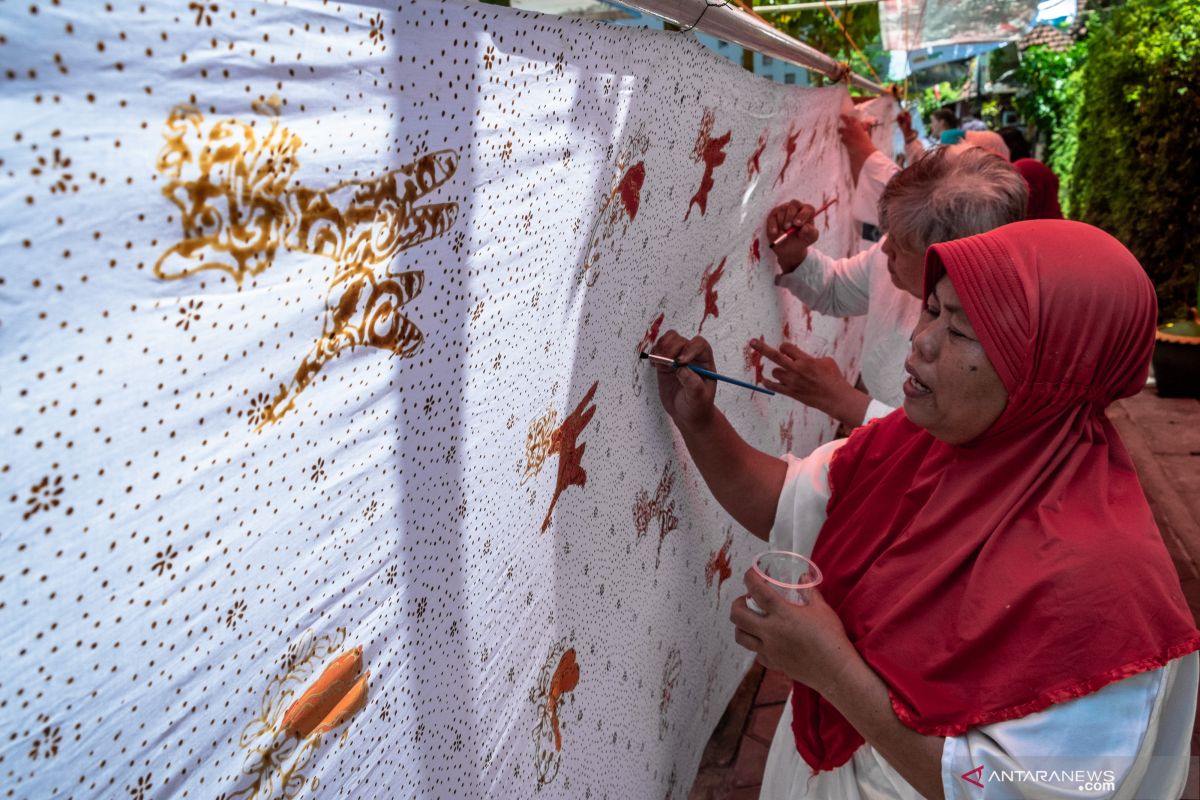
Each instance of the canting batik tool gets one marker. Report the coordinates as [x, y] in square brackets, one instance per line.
[706, 373]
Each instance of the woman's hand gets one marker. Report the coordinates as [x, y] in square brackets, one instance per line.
[794, 249]
[816, 382]
[807, 643]
[687, 397]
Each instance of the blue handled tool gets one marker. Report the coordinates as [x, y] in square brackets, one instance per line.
[707, 373]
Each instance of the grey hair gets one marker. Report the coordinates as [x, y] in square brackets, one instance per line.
[950, 193]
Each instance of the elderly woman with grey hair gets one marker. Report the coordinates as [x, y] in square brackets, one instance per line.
[947, 194]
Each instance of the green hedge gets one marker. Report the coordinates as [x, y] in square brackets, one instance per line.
[1135, 165]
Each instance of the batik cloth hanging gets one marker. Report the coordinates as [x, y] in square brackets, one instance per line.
[331, 468]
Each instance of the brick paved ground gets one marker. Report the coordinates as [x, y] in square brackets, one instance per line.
[1163, 438]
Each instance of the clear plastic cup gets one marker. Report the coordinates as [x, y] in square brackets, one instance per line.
[790, 574]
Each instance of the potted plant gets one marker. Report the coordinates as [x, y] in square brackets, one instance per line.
[1177, 356]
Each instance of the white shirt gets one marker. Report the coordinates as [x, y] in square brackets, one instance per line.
[1133, 736]
[854, 286]
[876, 171]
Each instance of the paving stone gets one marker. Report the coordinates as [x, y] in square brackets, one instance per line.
[751, 760]
[774, 688]
[1183, 473]
[763, 721]
[723, 746]
[712, 784]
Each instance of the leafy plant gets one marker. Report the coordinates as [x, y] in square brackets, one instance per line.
[991, 112]
[1136, 168]
[1046, 98]
[934, 97]
[817, 28]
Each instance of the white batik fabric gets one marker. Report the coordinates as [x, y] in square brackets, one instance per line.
[331, 469]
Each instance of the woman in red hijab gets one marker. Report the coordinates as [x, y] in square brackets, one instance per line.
[1043, 189]
[999, 616]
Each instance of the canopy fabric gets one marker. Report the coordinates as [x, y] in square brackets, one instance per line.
[912, 24]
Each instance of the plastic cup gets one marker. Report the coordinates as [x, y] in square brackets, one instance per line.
[790, 574]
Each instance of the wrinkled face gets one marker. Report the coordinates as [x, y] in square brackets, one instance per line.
[952, 390]
[906, 267]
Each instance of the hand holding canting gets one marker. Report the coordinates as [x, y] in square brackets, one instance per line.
[687, 398]
[807, 643]
[794, 249]
[904, 120]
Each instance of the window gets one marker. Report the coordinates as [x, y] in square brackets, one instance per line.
[768, 61]
[789, 78]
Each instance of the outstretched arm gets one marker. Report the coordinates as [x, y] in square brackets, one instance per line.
[745, 481]
[809, 644]
[857, 142]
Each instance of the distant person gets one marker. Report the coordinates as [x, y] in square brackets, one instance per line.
[1043, 189]
[941, 121]
[972, 122]
[988, 140]
[1043, 183]
[1018, 145]
[949, 193]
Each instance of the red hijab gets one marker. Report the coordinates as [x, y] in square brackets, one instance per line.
[1043, 189]
[986, 581]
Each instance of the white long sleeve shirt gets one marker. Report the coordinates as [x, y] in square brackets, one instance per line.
[851, 287]
[876, 171]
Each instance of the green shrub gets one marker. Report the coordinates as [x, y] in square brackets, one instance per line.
[1048, 97]
[935, 97]
[1135, 170]
[1064, 142]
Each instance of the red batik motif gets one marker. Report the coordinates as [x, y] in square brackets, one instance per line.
[651, 333]
[787, 432]
[719, 566]
[754, 362]
[618, 206]
[639, 366]
[708, 288]
[559, 676]
[631, 188]
[563, 443]
[566, 678]
[712, 153]
[647, 509]
[755, 252]
[787, 331]
[789, 151]
[752, 166]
